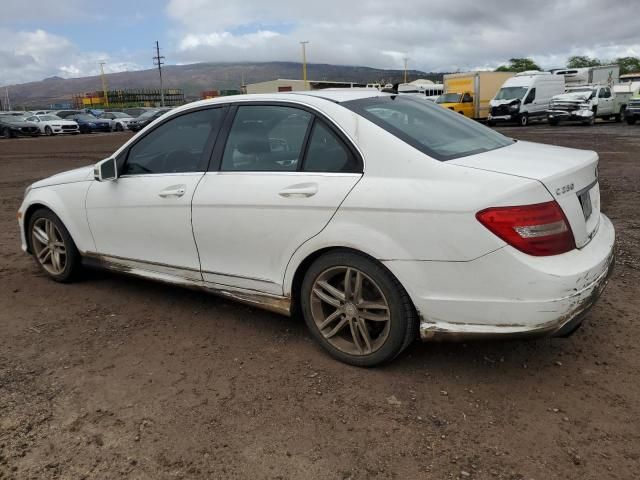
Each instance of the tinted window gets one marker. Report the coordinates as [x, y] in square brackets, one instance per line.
[467, 98]
[436, 131]
[175, 146]
[266, 138]
[531, 96]
[327, 153]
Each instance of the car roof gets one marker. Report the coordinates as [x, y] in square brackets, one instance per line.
[313, 97]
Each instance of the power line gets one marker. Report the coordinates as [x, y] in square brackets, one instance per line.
[158, 60]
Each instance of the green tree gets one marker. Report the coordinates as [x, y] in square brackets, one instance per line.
[580, 61]
[518, 65]
[628, 64]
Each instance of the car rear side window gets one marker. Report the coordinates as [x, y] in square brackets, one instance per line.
[177, 145]
[266, 138]
[435, 131]
[327, 153]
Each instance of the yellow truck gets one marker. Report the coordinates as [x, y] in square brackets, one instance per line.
[469, 93]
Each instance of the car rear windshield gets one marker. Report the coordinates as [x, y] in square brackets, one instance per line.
[434, 130]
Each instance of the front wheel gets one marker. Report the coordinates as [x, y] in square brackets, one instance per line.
[356, 309]
[52, 246]
[6, 133]
[119, 127]
[524, 119]
[631, 120]
[47, 131]
[553, 122]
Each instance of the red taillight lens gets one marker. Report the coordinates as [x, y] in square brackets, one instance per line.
[540, 229]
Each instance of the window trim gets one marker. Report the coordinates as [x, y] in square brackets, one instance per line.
[123, 157]
[316, 121]
[215, 164]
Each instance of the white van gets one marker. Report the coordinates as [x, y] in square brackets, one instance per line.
[524, 97]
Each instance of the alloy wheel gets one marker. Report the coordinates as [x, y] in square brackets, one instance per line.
[48, 245]
[350, 310]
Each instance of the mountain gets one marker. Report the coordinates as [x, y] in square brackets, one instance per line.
[198, 77]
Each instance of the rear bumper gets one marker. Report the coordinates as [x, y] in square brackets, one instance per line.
[507, 293]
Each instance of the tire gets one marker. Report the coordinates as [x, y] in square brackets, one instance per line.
[491, 123]
[6, 133]
[618, 118]
[388, 334]
[119, 127]
[68, 258]
[590, 122]
[47, 131]
[631, 120]
[523, 121]
[553, 122]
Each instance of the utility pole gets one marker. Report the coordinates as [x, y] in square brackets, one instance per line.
[406, 59]
[304, 63]
[158, 60]
[6, 93]
[104, 85]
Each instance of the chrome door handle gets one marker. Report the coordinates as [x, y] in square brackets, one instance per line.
[300, 190]
[173, 191]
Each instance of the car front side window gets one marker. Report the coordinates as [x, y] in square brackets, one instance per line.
[178, 145]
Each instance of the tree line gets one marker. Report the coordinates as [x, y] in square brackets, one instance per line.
[627, 64]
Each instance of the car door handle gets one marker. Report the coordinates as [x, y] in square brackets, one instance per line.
[173, 191]
[300, 190]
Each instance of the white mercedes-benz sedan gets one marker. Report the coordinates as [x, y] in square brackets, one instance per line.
[378, 218]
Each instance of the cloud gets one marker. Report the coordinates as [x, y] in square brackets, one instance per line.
[436, 36]
[32, 55]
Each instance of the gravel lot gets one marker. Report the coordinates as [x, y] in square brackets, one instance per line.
[115, 377]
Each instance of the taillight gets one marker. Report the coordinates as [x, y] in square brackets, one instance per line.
[540, 229]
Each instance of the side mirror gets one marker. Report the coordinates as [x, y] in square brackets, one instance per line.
[105, 170]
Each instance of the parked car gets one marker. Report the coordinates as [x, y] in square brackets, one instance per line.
[14, 126]
[451, 230]
[632, 113]
[43, 112]
[146, 118]
[89, 124]
[53, 125]
[66, 113]
[584, 104]
[524, 97]
[119, 121]
[135, 112]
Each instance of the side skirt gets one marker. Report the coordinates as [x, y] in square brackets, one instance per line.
[188, 278]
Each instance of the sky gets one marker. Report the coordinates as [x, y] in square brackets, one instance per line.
[69, 38]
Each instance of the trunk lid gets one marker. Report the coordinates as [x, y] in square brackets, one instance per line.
[568, 174]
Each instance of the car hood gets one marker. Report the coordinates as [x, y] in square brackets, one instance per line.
[573, 97]
[496, 103]
[19, 123]
[70, 176]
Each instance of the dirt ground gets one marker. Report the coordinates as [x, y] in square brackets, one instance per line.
[115, 377]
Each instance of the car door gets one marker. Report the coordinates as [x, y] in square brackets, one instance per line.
[605, 103]
[275, 183]
[143, 219]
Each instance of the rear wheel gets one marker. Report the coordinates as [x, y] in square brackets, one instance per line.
[357, 310]
[524, 120]
[52, 246]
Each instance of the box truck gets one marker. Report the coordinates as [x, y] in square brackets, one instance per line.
[469, 93]
[600, 75]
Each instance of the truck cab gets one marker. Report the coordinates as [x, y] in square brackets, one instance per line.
[459, 102]
[632, 112]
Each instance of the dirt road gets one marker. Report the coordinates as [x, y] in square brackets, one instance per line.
[116, 377]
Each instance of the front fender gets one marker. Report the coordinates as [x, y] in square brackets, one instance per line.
[67, 201]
